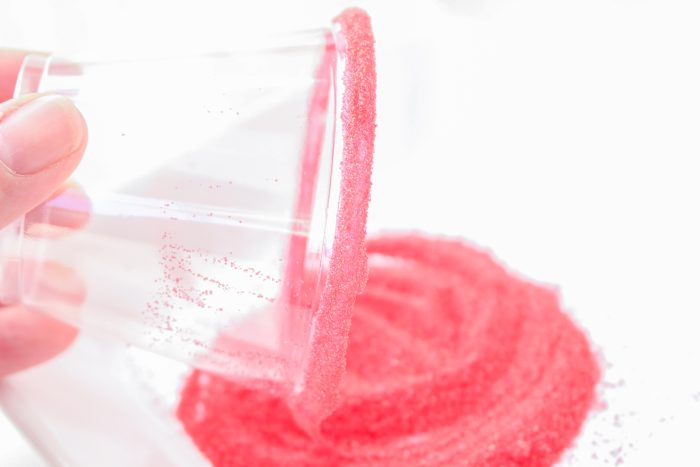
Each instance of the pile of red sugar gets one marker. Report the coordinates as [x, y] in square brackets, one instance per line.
[451, 360]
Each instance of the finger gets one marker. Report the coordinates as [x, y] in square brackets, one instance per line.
[10, 63]
[66, 210]
[29, 337]
[42, 139]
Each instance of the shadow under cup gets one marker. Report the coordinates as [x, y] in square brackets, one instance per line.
[201, 219]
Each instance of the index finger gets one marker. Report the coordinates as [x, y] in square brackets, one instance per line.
[10, 63]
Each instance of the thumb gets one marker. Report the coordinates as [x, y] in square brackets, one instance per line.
[42, 138]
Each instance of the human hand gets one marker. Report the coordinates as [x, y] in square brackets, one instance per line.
[42, 139]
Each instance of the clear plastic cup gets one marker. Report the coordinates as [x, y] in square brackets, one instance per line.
[199, 223]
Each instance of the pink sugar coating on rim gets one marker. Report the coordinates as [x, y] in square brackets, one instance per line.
[316, 395]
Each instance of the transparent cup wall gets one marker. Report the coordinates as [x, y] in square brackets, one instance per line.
[179, 222]
[171, 246]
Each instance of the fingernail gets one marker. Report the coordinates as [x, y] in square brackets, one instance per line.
[39, 133]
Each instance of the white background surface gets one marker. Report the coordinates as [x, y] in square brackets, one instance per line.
[562, 135]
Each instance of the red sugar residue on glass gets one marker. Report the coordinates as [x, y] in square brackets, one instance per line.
[451, 360]
[178, 276]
